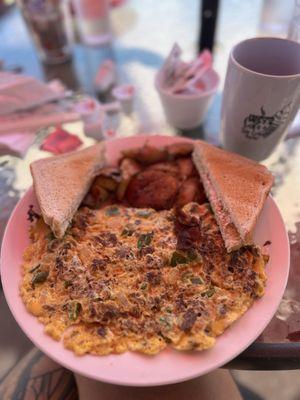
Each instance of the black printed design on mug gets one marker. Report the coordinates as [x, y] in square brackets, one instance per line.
[257, 126]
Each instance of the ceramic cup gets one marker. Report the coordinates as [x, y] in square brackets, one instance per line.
[261, 95]
[187, 111]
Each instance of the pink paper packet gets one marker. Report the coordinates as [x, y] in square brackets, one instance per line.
[60, 141]
[179, 77]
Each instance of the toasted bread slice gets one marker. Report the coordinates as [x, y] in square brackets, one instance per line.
[61, 182]
[237, 189]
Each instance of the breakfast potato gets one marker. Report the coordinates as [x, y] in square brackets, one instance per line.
[167, 166]
[99, 193]
[147, 154]
[201, 195]
[186, 167]
[191, 190]
[188, 192]
[103, 186]
[111, 172]
[179, 150]
[128, 168]
[105, 182]
[154, 189]
[90, 201]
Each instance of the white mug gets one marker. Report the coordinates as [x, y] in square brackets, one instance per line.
[261, 95]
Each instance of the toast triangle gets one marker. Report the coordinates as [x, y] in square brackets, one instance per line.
[237, 188]
[61, 182]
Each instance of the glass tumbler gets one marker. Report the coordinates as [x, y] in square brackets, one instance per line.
[49, 23]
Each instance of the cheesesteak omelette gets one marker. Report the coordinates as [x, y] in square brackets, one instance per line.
[130, 277]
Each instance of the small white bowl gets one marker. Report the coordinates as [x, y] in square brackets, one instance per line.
[187, 111]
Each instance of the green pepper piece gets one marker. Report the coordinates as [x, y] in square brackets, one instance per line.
[127, 231]
[50, 236]
[39, 277]
[196, 280]
[67, 284]
[112, 211]
[144, 213]
[192, 255]
[74, 309]
[178, 258]
[144, 240]
[35, 268]
[209, 293]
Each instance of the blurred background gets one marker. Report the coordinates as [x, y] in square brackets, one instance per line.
[143, 33]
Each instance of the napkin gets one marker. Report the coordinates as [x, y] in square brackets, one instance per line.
[20, 92]
[40, 117]
[17, 143]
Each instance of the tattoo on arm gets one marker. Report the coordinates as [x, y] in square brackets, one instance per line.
[38, 378]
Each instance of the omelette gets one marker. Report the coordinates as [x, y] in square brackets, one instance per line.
[129, 279]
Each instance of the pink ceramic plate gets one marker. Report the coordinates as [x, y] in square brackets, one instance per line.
[170, 366]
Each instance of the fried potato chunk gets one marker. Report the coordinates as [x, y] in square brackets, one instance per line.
[169, 167]
[153, 189]
[180, 149]
[128, 168]
[186, 168]
[147, 154]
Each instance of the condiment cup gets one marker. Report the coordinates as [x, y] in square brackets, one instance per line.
[187, 111]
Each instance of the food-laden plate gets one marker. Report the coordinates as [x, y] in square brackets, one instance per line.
[170, 365]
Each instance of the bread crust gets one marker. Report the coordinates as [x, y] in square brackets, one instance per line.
[61, 182]
[240, 185]
[231, 236]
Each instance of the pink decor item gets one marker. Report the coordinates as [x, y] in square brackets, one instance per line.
[60, 142]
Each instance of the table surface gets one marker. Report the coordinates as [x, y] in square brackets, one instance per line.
[142, 39]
